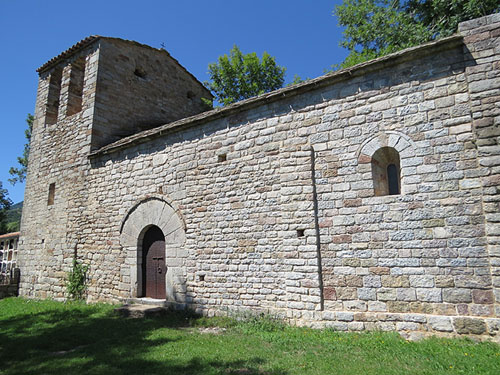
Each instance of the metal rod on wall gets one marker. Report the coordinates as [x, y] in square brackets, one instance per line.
[316, 227]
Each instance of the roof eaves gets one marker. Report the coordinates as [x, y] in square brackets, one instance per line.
[9, 235]
[70, 51]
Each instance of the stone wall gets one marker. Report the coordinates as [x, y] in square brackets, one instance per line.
[274, 205]
[59, 156]
[140, 87]
[482, 41]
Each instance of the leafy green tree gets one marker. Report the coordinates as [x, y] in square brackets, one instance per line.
[297, 79]
[19, 174]
[5, 204]
[375, 28]
[238, 76]
[442, 17]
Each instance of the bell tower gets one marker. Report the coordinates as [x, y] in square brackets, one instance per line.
[96, 92]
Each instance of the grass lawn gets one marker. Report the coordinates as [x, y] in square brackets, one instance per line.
[46, 337]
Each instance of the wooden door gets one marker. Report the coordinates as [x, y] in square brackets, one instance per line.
[154, 268]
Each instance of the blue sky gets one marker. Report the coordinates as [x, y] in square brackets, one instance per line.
[302, 35]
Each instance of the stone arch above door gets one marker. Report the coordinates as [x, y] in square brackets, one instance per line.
[148, 212]
[152, 211]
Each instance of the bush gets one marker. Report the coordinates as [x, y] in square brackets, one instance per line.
[77, 280]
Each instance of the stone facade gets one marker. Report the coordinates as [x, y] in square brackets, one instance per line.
[363, 199]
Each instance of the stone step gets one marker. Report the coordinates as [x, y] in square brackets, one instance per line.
[147, 301]
[141, 310]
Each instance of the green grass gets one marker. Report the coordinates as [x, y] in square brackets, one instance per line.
[46, 337]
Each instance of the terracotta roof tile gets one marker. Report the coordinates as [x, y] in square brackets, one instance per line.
[8, 235]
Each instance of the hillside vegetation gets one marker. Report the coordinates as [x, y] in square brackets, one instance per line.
[14, 217]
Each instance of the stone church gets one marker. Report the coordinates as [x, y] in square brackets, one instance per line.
[367, 198]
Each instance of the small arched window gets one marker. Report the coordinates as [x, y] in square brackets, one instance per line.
[386, 172]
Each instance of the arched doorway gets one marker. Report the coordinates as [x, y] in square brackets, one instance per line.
[154, 268]
[136, 240]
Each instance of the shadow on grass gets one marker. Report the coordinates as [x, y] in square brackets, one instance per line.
[87, 340]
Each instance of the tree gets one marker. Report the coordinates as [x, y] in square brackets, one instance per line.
[297, 79]
[375, 28]
[19, 174]
[5, 204]
[238, 76]
[442, 17]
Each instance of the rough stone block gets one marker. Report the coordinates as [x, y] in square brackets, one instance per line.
[469, 326]
[438, 323]
[386, 294]
[406, 294]
[395, 281]
[372, 281]
[344, 316]
[421, 281]
[454, 295]
[483, 296]
[429, 295]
